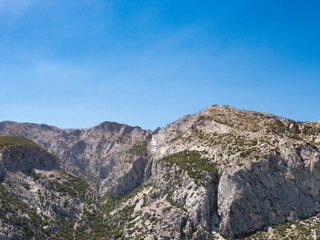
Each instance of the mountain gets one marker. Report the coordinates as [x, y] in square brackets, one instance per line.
[103, 154]
[38, 199]
[219, 173]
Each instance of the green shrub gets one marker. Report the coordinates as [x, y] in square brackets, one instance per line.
[16, 140]
[193, 163]
[139, 150]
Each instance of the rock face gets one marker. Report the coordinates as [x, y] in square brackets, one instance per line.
[25, 158]
[39, 200]
[105, 153]
[270, 192]
[221, 172]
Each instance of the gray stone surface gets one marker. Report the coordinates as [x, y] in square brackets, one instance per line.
[267, 170]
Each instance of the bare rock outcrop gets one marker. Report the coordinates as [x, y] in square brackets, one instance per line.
[221, 172]
[39, 200]
[101, 154]
[25, 158]
[283, 187]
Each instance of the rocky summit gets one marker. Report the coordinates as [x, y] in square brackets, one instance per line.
[221, 173]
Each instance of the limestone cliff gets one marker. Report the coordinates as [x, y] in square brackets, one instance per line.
[102, 154]
[221, 172]
[39, 200]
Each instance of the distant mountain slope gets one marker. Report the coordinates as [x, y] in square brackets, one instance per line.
[219, 172]
[102, 154]
[39, 200]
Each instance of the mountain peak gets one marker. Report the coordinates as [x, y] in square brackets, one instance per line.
[220, 169]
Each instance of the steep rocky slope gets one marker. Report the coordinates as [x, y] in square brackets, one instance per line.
[229, 171]
[102, 154]
[39, 200]
[221, 172]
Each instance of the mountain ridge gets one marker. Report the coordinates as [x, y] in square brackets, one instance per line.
[201, 170]
[221, 106]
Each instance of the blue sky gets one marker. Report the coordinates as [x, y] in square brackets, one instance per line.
[77, 63]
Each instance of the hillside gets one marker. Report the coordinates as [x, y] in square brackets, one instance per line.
[39, 200]
[219, 173]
